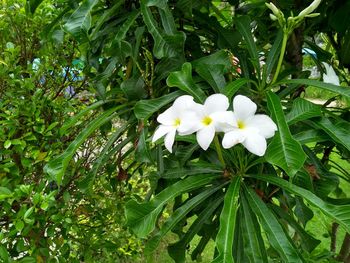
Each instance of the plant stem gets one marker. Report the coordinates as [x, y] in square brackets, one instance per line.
[280, 60]
[218, 150]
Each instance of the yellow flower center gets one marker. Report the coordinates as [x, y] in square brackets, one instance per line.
[240, 124]
[177, 122]
[206, 120]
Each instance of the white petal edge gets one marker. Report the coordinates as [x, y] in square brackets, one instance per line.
[216, 102]
[255, 143]
[243, 107]
[169, 140]
[205, 136]
[232, 138]
[183, 102]
[264, 124]
[161, 131]
[224, 121]
[168, 117]
[190, 123]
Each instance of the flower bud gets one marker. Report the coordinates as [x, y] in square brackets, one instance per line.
[308, 10]
[273, 8]
[273, 17]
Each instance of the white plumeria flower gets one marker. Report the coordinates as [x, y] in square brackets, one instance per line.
[211, 117]
[330, 76]
[252, 129]
[172, 120]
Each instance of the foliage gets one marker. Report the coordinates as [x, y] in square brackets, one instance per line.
[141, 55]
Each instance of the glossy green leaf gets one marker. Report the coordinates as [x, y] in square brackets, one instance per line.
[192, 170]
[79, 23]
[4, 193]
[57, 167]
[146, 108]
[142, 217]
[302, 110]
[224, 238]
[142, 151]
[231, 88]
[273, 54]
[123, 30]
[243, 26]
[340, 213]
[183, 80]
[178, 250]
[310, 136]
[214, 75]
[178, 214]
[254, 244]
[337, 133]
[344, 91]
[283, 150]
[276, 235]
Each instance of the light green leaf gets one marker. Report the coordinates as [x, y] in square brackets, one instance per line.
[302, 110]
[224, 238]
[79, 23]
[183, 80]
[273, 229]
[344, 91]
[57, 167]
[145, 108]
[254, 244]
[4, 193]
[283, 151]
[142, 217]
[179, 214]
[340, 213]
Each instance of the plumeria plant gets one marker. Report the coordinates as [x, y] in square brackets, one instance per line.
[206, 100]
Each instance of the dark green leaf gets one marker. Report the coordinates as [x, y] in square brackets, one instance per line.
[302, 110]
[232, 87]
[273, 55]
[32, 5]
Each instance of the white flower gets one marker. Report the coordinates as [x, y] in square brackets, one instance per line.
[330, 76]
[173, 119]
[252, 130]
[210, 118]
[308, 10]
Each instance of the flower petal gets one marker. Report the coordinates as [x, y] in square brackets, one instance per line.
[168, 117]
[231, 138]
[243, 107]
[169, 140]
[255, 143]
[330, 76]
[205, 136]
[224, 121]
[263, 123]
[216, 102]
[161, 131]
[183, 102]
[190, 123]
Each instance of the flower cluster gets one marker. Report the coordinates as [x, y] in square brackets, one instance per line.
[241, 125]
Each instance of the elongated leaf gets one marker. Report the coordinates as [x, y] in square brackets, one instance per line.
[310, 136]
[79, 23]
[183, 80]
[214, 75]
[56, 167]
[243, 26]
[32, 5]
[273, 229]
[232, 87]
[340, 213]
[273, 55]
[142, 217]
[178, 250]
[254, 244]
[180, 213]
[344, 91]
[145, 108]
[302, 110]
[283, 151]
[308, 242]
[224, 239]
[338, 134]
[182, 172]
[126, 26]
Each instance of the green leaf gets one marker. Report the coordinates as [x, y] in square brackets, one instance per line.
[179, 214]
[311, 136]
[178, 250]
[183, 80]
[79, 23]
[146, 108]
[302, 110]
[4, 193]
[243, 26]
[57, 167]
[344, 91]
[4, 255]
[224, 238]
[337, 133]
[142, 217]
[142, 151]
[123, 30]
[254, 244]
[276, 235]
[231, 88]
[32, 5]
[213, 74]
[7, 144]
[340, 213]
[273, 55]
[283, 150]
[192, 170]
